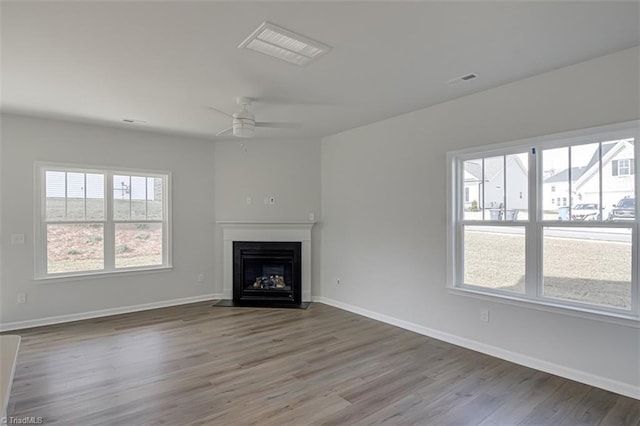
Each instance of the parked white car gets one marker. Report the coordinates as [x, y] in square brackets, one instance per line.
[586, 211]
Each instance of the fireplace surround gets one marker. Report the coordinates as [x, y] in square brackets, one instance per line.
[236, 231]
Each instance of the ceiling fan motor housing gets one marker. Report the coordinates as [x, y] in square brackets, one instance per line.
[244, 124]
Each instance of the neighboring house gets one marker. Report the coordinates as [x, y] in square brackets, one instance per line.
[494, 197]
[617, 179]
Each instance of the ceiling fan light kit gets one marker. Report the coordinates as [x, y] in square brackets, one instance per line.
[243, 124]
[243, 128]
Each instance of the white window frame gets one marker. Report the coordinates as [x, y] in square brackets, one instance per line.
[40, 222]
[534, 226]
[626, 167]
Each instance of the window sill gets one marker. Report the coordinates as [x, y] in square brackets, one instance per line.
[102, 274]
[629, 320]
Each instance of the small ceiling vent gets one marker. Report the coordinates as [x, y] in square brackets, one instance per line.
[275, 41]
[462, 79]
[133, 121]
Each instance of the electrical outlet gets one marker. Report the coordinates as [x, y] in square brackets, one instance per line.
[22, 298]
[200, 278]
[312, 216]
[484, 315]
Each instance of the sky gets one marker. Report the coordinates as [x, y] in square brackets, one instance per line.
[139, 187]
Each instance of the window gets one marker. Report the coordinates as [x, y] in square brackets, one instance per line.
[622, 167]
[100, 221]
[579, 251]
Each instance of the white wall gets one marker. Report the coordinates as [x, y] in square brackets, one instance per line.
[289, 170]
[25, 140]
[211, 181]
[384, 222]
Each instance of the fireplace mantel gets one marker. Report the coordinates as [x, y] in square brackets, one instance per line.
[265, 231]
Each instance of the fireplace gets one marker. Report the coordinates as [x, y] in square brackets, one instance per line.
[267, 272]
[238, 231]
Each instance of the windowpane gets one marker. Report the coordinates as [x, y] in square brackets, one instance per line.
[55, 195]
[95, 196]
[472, 178]
[121, 197]
[589, 265]
[78, 197]
[517, 187]
[74, 248]
[618, 179]
[138, 244]
[585, 186]
[494, 257]
[138, 198]
[555, 166]
[154, 198]
[75, 196]
[494, 188]
[588, 260]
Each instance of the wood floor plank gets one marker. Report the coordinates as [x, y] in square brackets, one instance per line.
[202, 365]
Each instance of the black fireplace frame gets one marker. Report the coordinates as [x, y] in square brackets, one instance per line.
[267, 250]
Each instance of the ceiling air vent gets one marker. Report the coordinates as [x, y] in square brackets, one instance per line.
[463, 78]
[275, 41]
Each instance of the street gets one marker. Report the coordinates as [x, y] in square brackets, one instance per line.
[598, 234]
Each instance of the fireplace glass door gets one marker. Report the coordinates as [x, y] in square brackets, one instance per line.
[267, 271]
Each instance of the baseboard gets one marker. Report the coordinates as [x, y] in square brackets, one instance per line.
[515, 357]
[18, 325]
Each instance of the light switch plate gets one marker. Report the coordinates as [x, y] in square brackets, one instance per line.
[17, 238]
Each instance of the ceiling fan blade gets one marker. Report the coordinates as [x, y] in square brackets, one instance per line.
[286, 100]
[220, 111]
[277, 125]
[222, 132]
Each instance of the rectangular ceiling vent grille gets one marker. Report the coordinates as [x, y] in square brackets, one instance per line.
[275, 41]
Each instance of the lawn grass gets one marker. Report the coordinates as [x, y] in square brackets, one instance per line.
[80, 247]
[597, 272]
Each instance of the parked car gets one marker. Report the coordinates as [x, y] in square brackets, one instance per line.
[586, 211]
[563, 213]
[624, 210]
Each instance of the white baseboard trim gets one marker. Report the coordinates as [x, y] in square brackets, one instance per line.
[18, 325]
[515, 357]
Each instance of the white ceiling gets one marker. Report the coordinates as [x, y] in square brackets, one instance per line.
[165, 62]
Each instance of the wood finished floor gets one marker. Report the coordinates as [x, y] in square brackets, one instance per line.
[199, 365]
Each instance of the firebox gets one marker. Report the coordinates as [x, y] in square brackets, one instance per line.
[267, 272]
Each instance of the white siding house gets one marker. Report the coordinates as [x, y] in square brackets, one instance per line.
[617, 179]
[492, 195]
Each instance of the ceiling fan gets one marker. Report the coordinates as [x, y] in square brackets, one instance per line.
[244, 122]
